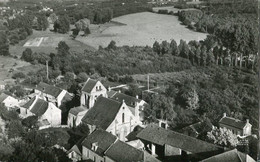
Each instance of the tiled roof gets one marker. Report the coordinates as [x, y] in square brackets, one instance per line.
[121, 151]
[89, 85]
[104, 141]
[102, 113]
[232, 122]
[129, 100]
[111, 93]
[77, 110]
[28, 104]
[40, 107]
[49, 89]
[161, 136]
[230, 156]
[3, 97]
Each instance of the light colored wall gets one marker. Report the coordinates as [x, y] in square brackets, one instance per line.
[53, 115]
[71, 118]
[170, 150]
[247, 129]
[60, 97]
[123, 129]
[93, 95]
[75, 157]
[77, 118]
[10, 102]
[89, 154]
[107, 159]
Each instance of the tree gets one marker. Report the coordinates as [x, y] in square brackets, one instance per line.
[112, 45]
[30, 122]
[184, 49]
[197, 56]
[203, 55]
[82, 77]
[165, 47]
[42, 22]
[222, 136]
[4, 44]
[27, 55]
[62, 25]
[86, 31]
[156, 47]
[210, 57]
[174, 48]
[63, 49]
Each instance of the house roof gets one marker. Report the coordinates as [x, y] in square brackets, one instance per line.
[28, 104]
[49, 89]
[199, 127]
[111, 93]
[129, 100]
[232, 155]
[76, 110]
[232, 122]
[104, 141]
[121, 151]
[89, 85]
[40, 107]
[103, 113]
[3, 96]
[161, 136]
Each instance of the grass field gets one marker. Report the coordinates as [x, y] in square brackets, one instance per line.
[47, 41]
[141, 29]
[9, 66]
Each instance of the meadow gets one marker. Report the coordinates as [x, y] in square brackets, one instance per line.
[140, 29]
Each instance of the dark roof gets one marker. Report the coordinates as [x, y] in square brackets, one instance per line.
[102, 113]
[132, 135]
[104, 141]
[232, 155]
[40, 107]
[129, 100]
[199, 127]
[232, 122]
[89, 85]
[28, 104]
[3, 97]
[48, 89]
[121, 151]
[161, 136]
[77, 110]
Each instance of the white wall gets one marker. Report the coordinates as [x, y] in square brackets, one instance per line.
[53, 115]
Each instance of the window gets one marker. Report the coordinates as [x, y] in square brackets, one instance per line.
[123, 118]
[99, 87]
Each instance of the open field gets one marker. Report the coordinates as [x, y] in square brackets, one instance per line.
[9, 66]
[141, 29]
[46, 41]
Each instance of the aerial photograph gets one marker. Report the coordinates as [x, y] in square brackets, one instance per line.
[129, 81]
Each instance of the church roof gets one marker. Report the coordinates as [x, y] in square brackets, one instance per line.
[103, 113]
[89, 85]
[129, 100]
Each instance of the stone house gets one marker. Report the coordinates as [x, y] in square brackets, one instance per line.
[102, 146]
[90, 91]
[52, 93]
[238, 127]
[111, 115]
[8, 101]
[75, 115]
[46, 111]
[173, 146]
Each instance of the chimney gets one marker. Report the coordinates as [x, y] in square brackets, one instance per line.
[163, 123]
[94, 146]
[137, 97]
[247, 121]
[119, 91]
[224, 114]
[109, 89]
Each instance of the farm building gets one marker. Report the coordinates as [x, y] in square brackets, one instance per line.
[8, 101]
[75, 115]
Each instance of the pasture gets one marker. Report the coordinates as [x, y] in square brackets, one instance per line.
[140, 29]
[46, 42]
[9, 66]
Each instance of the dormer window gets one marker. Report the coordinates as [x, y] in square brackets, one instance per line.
[94, 146]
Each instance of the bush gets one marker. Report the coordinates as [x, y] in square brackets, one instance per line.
[18, 75]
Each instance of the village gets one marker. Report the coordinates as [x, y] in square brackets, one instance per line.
[128, 81]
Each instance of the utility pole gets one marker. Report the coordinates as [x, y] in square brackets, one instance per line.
[47, 69]
[148, 83]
